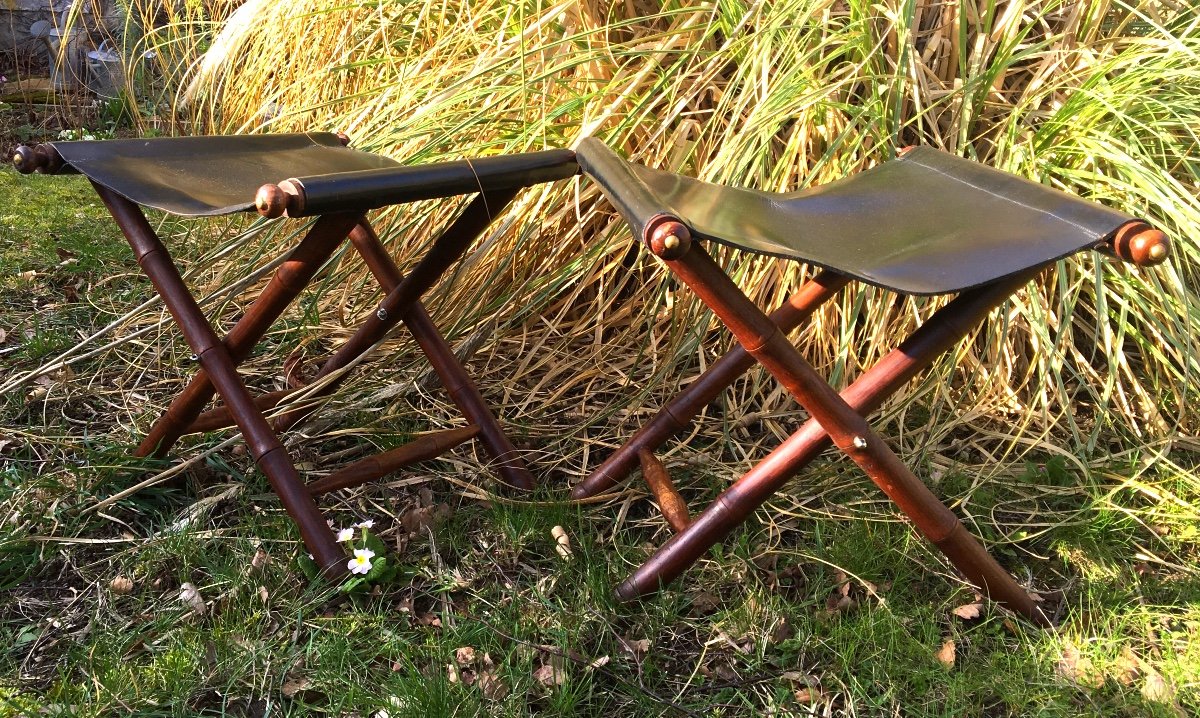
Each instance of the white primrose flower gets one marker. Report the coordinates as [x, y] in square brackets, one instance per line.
[361, 563]
[345, 535]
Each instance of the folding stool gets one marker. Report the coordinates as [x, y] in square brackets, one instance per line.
[925, 223]
[205, 176]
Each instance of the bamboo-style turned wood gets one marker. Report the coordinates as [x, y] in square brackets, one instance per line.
[270, 456]
[182, 416]
[458, 383]
[679, 412]
[506, 460]
[865, 395]
[848, 429]
[425, 447]
[220, 418]
[446, 250]
[1139, 243]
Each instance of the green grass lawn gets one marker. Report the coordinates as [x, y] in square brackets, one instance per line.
[827, 604]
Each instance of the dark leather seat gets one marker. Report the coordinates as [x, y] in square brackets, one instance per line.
[925, 223]
[205, 176]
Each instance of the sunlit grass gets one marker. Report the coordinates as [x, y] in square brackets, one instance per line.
[1099, 98]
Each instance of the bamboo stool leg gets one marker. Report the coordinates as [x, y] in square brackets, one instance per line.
[288, 281]
[428, 446]
[932, 339]
[445, 251]
[679, 412]
[270, 456]
[458, 384]
[670, 240]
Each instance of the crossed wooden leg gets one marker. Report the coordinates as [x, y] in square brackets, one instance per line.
[836, 418]
[219, 359]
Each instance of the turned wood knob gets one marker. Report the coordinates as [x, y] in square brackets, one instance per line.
[270, 201]
[26, 159]
[1141, 244]
[276, 200]
[668, 238]
[42, 158]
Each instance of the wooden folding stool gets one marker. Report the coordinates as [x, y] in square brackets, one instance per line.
[205, 176]
[925, 223]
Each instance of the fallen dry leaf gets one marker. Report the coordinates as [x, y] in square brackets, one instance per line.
[742, 644]
[637, 649]
[969, 611]
[294, 374]
[839, 601]
[1078, 668]
[190, 595]
[704, 603]
[1157, 689]
[726, 672]
[810, 692]
[810, 695]
[790, 579]
[782, 631]
[562, 542]
[260, 559]
[945, 654]
[489, 680]
[36, 393]
[600, 662]
[464, 656]
[550, 676]
[1126, 668]
[416, 519]
[429, 619]
[121, 585]
[292, 686]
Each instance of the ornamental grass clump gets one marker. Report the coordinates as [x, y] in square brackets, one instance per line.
[1098, 98]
